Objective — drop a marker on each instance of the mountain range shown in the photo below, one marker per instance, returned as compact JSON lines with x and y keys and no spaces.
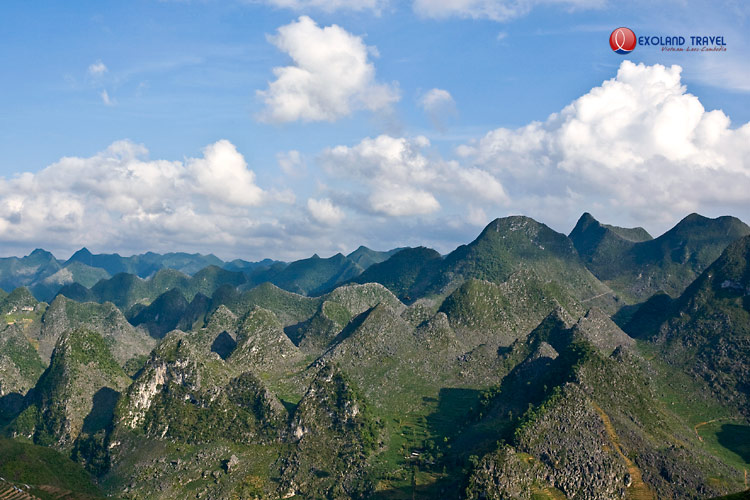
{"x":45,"y":275}
{"x":525,"y":364}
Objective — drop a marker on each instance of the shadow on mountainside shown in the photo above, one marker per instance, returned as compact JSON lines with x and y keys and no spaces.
{"x":429,"y":465}
{"x":736,"y":437}
{"x":102,"y":411}
{"x":11,"y":405}
{"x":224,"y":345}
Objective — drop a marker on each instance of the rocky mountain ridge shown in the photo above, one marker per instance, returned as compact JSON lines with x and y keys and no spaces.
{"x":505,"y":369}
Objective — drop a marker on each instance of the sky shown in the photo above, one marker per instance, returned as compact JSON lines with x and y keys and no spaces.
{"x":282,"y":128}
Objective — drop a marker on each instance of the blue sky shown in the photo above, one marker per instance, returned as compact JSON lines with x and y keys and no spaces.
{"x":281,"y":128}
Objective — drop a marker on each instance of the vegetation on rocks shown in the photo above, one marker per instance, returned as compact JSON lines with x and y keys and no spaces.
{"x":333,"y":434}
{"x":67,"y":399}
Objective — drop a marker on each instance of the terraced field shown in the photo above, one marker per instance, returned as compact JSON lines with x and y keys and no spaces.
{"x":9,"y":491}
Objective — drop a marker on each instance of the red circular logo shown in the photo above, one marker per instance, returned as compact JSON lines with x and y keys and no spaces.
{"x":622,"y":40}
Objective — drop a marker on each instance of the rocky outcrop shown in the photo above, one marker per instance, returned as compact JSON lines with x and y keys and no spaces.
{"x":174,"y":361}
{"x":569,"y":439}
{"x":66,"y":394}
{"x":596,"y":327}
{"x":338,"y":308}
{"x":504,"y":475}
{"x":262,"y":344}
{"x":20,"y":364}
{"x":330,"y":416}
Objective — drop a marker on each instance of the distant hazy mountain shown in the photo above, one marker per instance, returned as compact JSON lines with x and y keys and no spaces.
{"x":400,"y":273}
{"x":146,"y":264}
{"x":163,"y":314}
{"x":309,"y":276}
{"x":248,"y":267}
{"x":45,"y":275}
{"x":125,"y":290}
{"x":364,"y":257}
{"x":71,"y":272}
{"x":26,"y":271}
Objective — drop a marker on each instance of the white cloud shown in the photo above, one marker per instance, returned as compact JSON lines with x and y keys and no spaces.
{"x":332,"y":76}
{"x":324,"y":211}
{"x":496,"y":10}
{"x":638,"y":149}
{"x":435,"y":99}
{"x":329,"y":5}
{"x":638,"y":146}
{"x":222,"y":174}
{"x":119,"y":198}
{"x":439,"y":106}
{"x":400,"y":180}
{"x":291,"y":163}
{"x":97,"y":69}
{"x":108,"y":101}
{"x":402,"y":201}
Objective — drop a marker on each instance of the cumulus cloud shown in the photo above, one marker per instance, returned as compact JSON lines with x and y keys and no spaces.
{"x":639,"y":144}
{"x":496,"y":10}
{"x":332,"y":76}
{"x":324,"y":211}
{"x":637,"y":149}
{"x":222,"y":173}
{"x":434,"y":99}
{"x":329,"y":5}
{"x":97,"y":69}
{"x":119,"y":197}
{"x":439,"y":105}
{"x":122,"y":200}
{"x":400,"y":179}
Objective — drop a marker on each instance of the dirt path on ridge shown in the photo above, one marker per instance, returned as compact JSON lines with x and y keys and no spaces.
{"x":638,"y":490}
